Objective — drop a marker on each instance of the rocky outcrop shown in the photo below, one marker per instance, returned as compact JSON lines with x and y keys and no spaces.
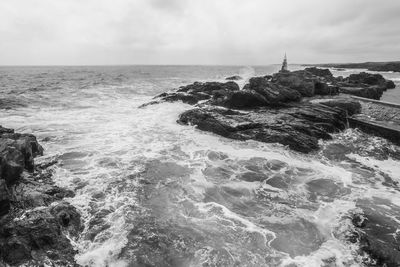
{"x":34,"y":219}
{"x":372,"y":92}
{"x":280,"y":108}
{"x":326,"y":73}
{"x":301,"y":81}
{"x":275,"y":94}
{"x":350,"y":106}
{"x":299,"y":126}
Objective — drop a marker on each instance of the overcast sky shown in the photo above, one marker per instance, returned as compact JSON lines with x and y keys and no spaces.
{"x":239,"y":32}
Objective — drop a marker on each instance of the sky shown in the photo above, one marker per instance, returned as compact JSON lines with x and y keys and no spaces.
{"x":221,"y":32}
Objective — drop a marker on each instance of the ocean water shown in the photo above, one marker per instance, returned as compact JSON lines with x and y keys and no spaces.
{"x":155,"y":193}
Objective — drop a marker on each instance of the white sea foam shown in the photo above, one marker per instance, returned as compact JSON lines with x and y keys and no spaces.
{"x":103,"y":142}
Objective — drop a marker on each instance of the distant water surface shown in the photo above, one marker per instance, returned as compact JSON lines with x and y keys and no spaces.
{"x":156,"y":193}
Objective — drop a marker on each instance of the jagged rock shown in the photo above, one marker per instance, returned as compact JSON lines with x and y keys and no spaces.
{"x":301,"y":81}
{"x":367,"y":78}
{"x":350,"y":106}
{"x":373,"y":92}
{"x":234,"y":78}
{"x":243,"y":100}
{"x":36,"y":235}
{"x":209,"y":87}
{"x":17,"y":152}
{"x":32,"y":223}
{"x":322,"y":88}
{"x":273,"y":93}
{"x":298,"y":127}
{"x":326,"y":73}
{"x":193,"y":93}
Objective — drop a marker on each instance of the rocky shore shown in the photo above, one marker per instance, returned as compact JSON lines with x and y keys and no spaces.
{"x":295,"y":109}
{"x":36,"y":225}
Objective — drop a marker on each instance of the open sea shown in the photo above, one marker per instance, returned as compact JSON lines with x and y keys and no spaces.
{"x":156,"y":193}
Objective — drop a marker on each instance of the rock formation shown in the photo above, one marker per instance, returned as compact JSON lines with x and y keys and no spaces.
{"x":34,"y":219}
{"x":291,"y":108}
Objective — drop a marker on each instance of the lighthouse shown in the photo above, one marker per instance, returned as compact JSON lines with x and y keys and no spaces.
{"x":284,"y":64}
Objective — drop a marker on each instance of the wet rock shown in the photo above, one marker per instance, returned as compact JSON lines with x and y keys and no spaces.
{"x":32,"y":222}
{"x":244,"y":100}
{"x":301,"y":81}
{"x":298,"y":127}
{"x":326,"y":73}
{"x":193,"y":93}
{"x":273,"y":93}
{"x":372,"y":92}
{"x":350,"y":106}
{"x":367,"y":78}
{"x":377,"y":231}
{"x":322,"y":88}
{"x":274,"y":109}
{"x":234,"y":78}
{"x":37,"y":234}
{"x":390,"y":84}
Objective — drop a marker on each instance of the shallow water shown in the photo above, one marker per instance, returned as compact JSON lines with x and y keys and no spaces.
{"x":154,"y":192}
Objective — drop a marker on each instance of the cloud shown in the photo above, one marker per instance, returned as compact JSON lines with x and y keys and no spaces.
{"x":197,"y":31}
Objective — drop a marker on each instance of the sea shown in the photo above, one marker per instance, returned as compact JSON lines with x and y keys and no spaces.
{"x":152,"y":192}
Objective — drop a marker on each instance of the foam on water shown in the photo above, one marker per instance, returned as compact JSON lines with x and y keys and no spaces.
{"x":226,"y":202}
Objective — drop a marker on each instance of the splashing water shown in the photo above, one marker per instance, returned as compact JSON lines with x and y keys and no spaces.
{"x":154,"y":192}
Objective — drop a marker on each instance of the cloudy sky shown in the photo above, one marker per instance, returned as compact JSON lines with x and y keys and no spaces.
{"x":239,"y":32}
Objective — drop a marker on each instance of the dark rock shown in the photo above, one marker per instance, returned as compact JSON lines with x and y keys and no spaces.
{"x":367,"y":78}
{"x":244,"y":99}
{"x":322,"y":88}
{"x":298,"y":127}
{"x":39,"y":234}
{"x":68,"y":217}
{"x":193,"y":93}
{"x":350,"y":106}
{"x":32,"y":225}
{"x":234,"y":78}
{"x":273,"y":93}
{"x":185,"y":98}
{"x":4,"y":198}
{"x":372,"y":92}
{"x":377,"y":231}
{"x":301,"y":81}
{"x":319,"y":72}
{"x":390,"y":84}
{"x":209,"y":87}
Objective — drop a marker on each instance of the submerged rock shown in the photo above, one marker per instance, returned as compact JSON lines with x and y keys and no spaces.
{"x":377,"y":231}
